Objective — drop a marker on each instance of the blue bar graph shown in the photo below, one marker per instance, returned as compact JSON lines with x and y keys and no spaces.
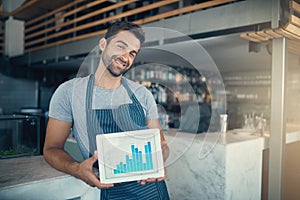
{"x":135,"y":163}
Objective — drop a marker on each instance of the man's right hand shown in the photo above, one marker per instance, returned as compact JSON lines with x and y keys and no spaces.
{"x":57,"y":133}
{"x":85,"y":173}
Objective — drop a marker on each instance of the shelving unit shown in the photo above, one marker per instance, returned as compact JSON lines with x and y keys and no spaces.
{"x":175,"y":89}
{"x":248,"y":93}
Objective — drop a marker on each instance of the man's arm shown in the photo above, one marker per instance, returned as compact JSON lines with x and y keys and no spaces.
{"x":54,"y":153}
{"x":154,"y":123}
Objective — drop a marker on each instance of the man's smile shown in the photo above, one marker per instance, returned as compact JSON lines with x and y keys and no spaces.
{"x":120,"y":62}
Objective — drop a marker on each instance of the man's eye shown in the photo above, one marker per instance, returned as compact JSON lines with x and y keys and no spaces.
{"x":132,"y":54}
{"x":121,"y":47}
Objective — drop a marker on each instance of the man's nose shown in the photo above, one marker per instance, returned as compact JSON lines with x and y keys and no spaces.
{"x":125,"y":56}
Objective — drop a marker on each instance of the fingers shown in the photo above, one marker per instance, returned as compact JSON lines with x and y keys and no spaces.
{"x":94,"y":181}
{"x":161,"y":178}
{"x":87,"y":174}
{"x":104,"y":186}
{"x":164,"y":144}
{"x":151,"y":180}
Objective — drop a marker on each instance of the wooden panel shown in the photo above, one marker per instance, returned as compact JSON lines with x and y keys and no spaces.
{"x":295,"y":43}
{"x":264,"y":35}
{"x":112,"y":18}
{"x":272,"y":33}
{"x":254,"y":35}
{"x":22,"y":7}
{"x":64,"y":15}
{"x":294,"y":49}
{"x":247,"y":37}
{"x":293,"y":29}
{"x":66,"y":41}
{"x":294,"y":46}
{"x":295,"y":6}
{"x":295,"y":20}
{"x":53,"y":12}
{"x":287,"y":34}
{"x":182,"y":11}
{"x":103,"y":10}
{"x":4,"y":15}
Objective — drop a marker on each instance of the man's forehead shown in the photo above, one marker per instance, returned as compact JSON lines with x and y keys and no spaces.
{"x":128,"y":38}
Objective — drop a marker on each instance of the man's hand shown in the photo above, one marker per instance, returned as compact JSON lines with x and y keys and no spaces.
{"x":85,"y":173}
{"x":153,"y":180}
{"x":165,"y":151}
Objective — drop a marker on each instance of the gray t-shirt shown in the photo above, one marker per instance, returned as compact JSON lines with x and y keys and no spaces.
{"x":68,"y":104}
{"x":64,"y":97}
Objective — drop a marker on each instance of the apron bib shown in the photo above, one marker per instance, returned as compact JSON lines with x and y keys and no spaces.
{"x":126,"y":117}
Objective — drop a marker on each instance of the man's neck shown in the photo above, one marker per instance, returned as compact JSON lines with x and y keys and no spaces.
{"x":104,"y":79}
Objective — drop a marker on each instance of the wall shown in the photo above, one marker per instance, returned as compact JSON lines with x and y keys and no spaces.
{"x":293,"y":90}
{"x":291,"y":176}
{"x":16,"y":93}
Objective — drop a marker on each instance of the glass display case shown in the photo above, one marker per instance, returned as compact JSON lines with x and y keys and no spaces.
{"x":19,"y":135}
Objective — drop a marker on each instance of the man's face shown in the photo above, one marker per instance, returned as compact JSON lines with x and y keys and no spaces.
{"x":119,"y":54}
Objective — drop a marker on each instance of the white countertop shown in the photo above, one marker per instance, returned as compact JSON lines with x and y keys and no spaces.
{"x":31,"y":178}
{"x":173,"y":135}
{"x":15,"y":171}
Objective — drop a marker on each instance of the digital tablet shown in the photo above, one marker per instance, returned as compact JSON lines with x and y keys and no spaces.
{"x":130,"y":156}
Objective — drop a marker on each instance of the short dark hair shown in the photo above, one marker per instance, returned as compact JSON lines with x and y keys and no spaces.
{"x":118,"y":26}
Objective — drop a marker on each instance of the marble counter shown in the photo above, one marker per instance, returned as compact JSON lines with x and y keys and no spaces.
{"x":31,"y":178}
{"x":215,"y":166}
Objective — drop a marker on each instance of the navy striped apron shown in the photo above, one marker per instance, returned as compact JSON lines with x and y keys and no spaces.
{"x":127,"y":117}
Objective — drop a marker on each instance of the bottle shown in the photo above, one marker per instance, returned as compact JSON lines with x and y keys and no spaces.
{"x":223,"y":123}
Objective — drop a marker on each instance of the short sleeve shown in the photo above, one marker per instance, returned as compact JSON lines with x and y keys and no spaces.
{"x":151,"y":107}
{"x":147,"y":101}
{"x":60,"y":104}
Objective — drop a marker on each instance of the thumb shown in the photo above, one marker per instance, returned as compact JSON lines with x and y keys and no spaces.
{"x":163,"y":144}
{"x":94,"y":158}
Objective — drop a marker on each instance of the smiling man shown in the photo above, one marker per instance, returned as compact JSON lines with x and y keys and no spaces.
{"x":104,"y":102}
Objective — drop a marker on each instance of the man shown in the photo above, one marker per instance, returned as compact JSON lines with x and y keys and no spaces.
{"x":104,"y":102}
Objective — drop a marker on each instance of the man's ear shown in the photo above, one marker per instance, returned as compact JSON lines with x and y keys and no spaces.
{"x":102,"y":44}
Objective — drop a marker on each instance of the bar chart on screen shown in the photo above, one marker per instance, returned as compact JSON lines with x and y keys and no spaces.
{"x":135,"y":163}
{"x":128,"y":156}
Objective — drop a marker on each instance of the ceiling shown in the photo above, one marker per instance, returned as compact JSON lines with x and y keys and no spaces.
{"x":228,"y":53}
{"x":231,"y":53}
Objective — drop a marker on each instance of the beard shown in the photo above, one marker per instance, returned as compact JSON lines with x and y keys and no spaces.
{"x":111,"y":65}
